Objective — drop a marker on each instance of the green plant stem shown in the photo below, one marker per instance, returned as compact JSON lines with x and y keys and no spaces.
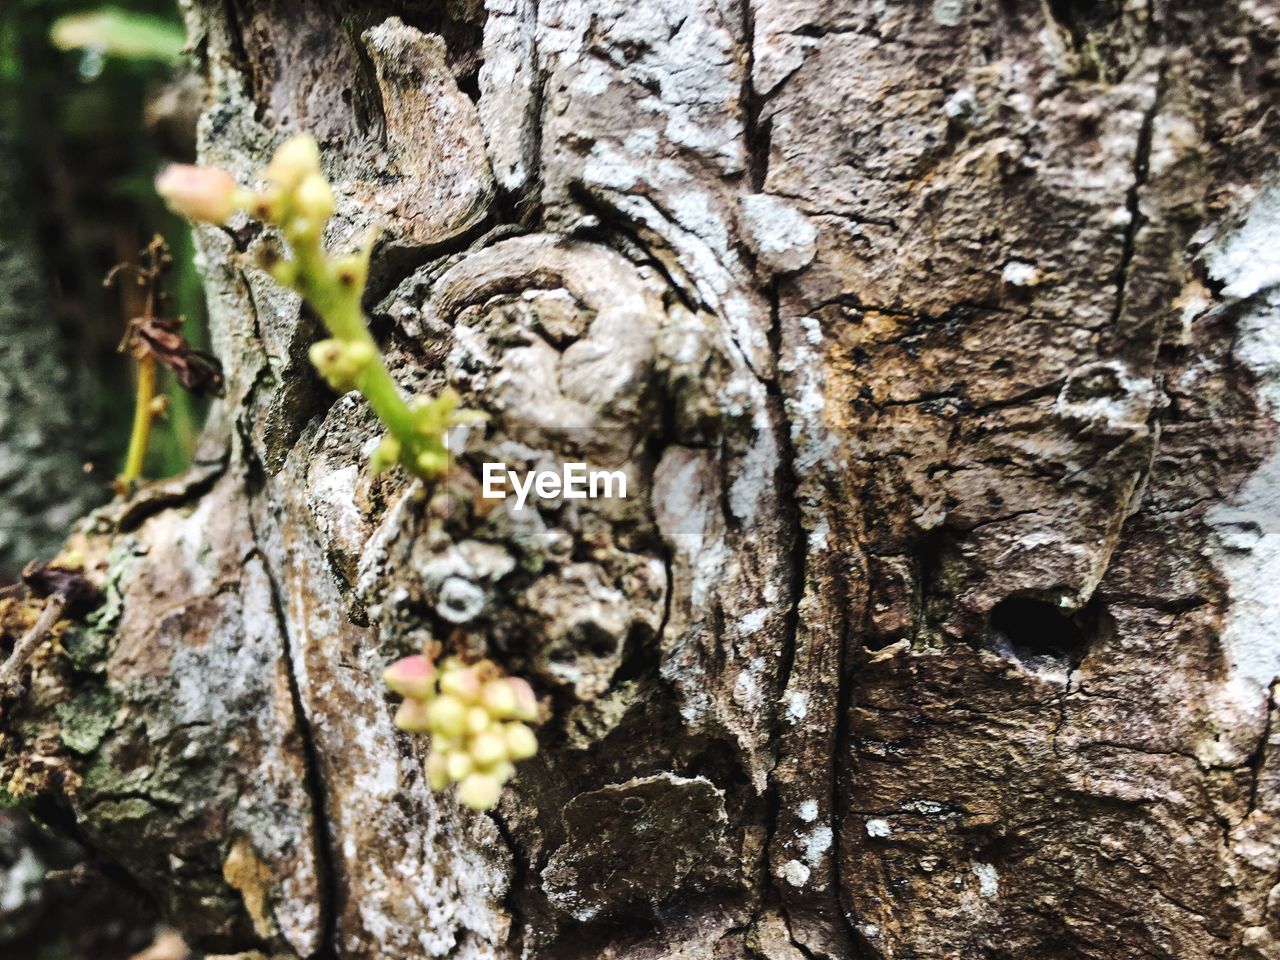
{"x":348,"y":323}
{"x":338,"y":306}
{"x":143,"y":417}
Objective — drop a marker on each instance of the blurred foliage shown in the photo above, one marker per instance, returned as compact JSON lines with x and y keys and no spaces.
{"x":113,"y":32}
{"x":90,"y":142}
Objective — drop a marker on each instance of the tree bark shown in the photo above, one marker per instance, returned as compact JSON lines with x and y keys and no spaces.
{"x":938,"y":342}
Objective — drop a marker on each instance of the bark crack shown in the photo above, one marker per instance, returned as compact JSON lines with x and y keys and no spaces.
{"x":1258,"y":760}
{"x":789,"y":480}
{"x":756,"y":133}
{"x":326,"y":868}
{"x":1141,"y":169}
{"x":862,"y":950}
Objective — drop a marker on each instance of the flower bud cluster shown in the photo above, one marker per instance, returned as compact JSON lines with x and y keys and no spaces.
{"x":432,"y":418}
{"x":299,"y":201}
{"x":478,"y":720}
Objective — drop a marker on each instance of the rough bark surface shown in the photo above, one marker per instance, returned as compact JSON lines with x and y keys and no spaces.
{"x":940,"y":342}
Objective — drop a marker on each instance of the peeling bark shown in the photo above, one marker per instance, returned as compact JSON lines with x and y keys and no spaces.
{"x":937,"y":342}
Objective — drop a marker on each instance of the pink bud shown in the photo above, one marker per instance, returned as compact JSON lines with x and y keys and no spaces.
{"x":198,"y":193}
{"x":462,"y":682}
{"x":526,"y":700}
{"x":411,"y":677}
{"x":413,"y":716}
{"x":499,"y":698}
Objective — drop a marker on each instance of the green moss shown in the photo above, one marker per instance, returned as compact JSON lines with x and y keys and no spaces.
{"x":104,"y":619}
{"x":87,"y":649}
{"x":129,"y":815}
{"x":86,"y":718}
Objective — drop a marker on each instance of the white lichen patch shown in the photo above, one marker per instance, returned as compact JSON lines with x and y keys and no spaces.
{"x":988,"y":879}
{"x":1247,"y":552}
{"x":878,"y":828}
{"x":797,"y":707}
{"x":779,"y":234}
{"x":754,"y":489}
{"x":746,"y":690}
{"x":1107,"y":396}
{"x":816,"y":844}
{"x":335,"y":509}
{"x":611,"y":167}
{"x":795,"y":873}
{"x":963,"y":107}
{"x":929,"y":808}
{"x":1019,"y":273}
{"x":949,"y":13}
{"x":20,"y":882}
{"x":1248,"y":258}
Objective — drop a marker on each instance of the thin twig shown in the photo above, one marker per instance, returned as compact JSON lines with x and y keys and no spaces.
{"x":144,"y":416}
{"x":25,"y":648}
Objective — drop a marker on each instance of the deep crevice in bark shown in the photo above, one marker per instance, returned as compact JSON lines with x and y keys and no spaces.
{"x":1141,"y":167}
{"x":326,"y":864}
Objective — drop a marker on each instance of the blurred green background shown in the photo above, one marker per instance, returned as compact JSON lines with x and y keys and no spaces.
{"x":93,"y":100}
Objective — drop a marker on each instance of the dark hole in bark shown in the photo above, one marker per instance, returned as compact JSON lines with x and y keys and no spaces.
{"x":1041,"y":635}
{"x":593,"y":640}
{"x":1081,"y":16}
{"x":1098,"y":380}
{"x":639,"y":655}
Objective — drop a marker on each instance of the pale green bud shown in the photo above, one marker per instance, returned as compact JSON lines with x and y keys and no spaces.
{"x":433,"y":463}
{"x":488,"y":748}
{"x":313,"y":198}
{"x":459,"y":763}
{"x":499,"y":698}
{"x":387,"y":454}
{"x":340,"y":363}
{"x":437,"y":771}
{"x":447,"y":715}
{"x":442,"y":744}
{"x":521,"y":742}
{"x":478,"y":720}
{"x":267,"y":206}
{"x":284,"y":272}
{"x":462,"y":682}
{"x":353,"y":271}
{"x":297,"y":159}
{"x":479,"y":791}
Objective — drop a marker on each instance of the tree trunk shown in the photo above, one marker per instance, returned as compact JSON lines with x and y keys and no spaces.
{"x":938,"y":341}
{"x":43,"y":488}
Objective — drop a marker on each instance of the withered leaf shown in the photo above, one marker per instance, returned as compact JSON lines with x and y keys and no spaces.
{"x":197,"y":371}
{"x":45,"y":580}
